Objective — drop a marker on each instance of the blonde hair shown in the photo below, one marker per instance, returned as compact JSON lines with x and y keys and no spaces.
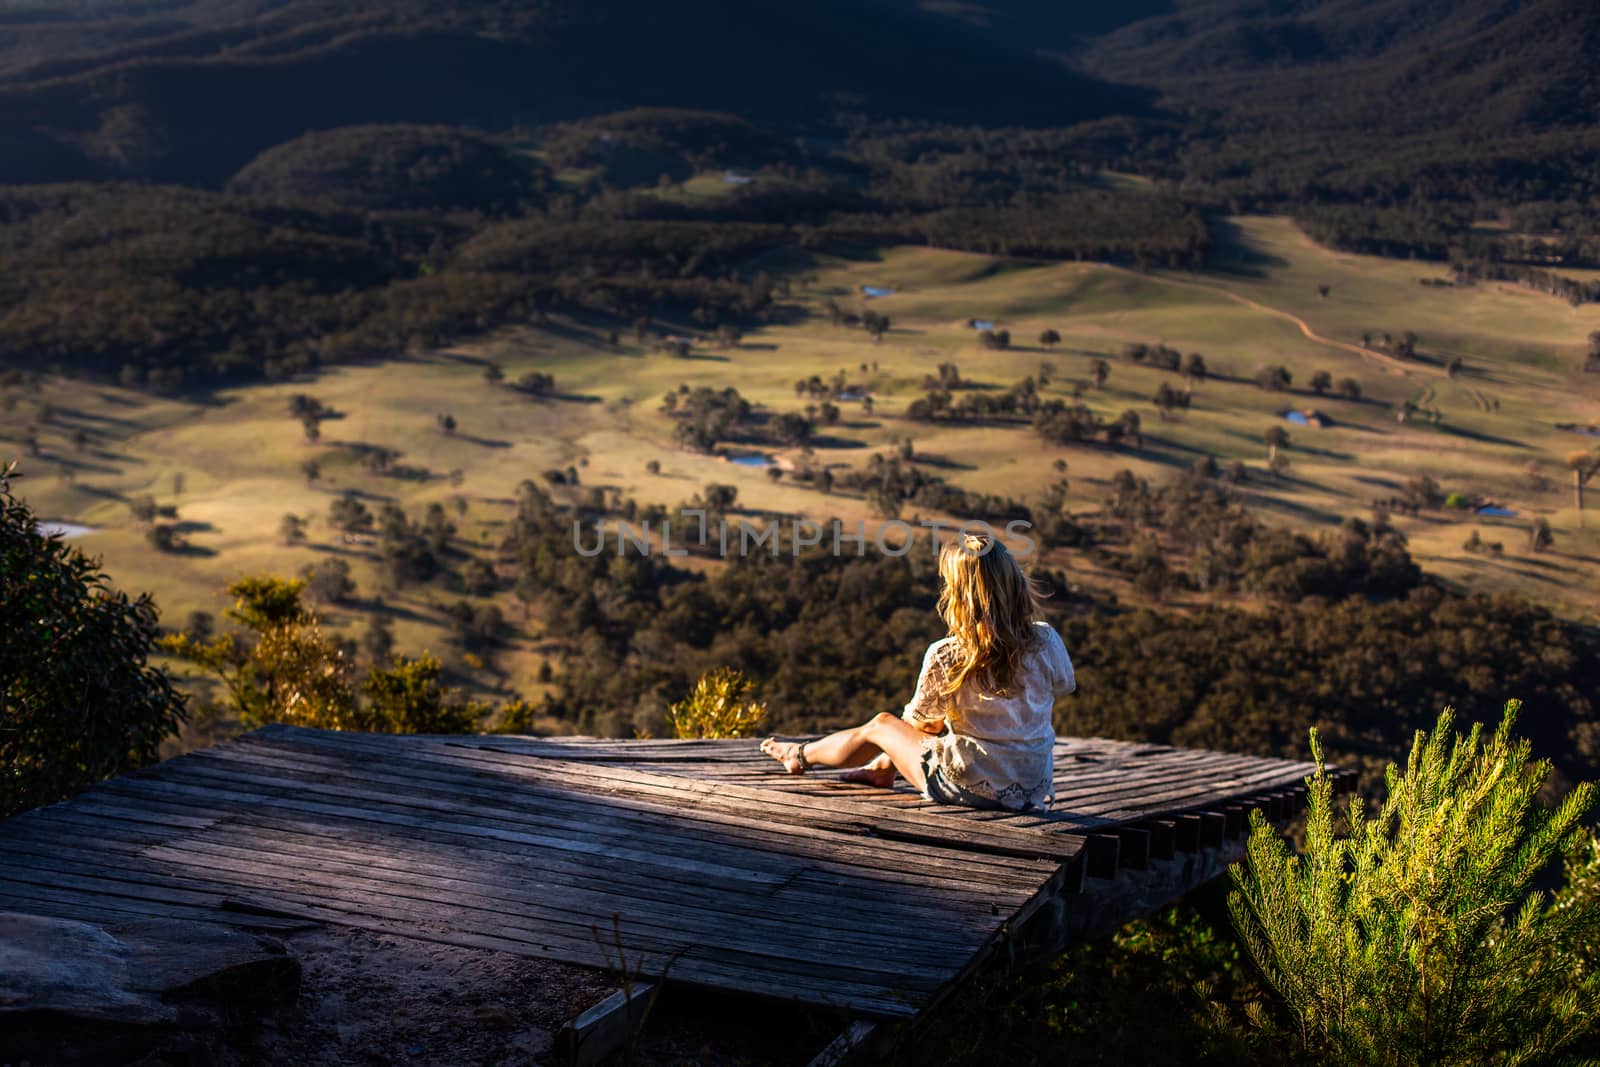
{"x":990,"y":606}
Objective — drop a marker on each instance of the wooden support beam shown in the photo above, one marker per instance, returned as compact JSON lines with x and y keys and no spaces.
{"x":1213,"y":829}
{"x":1163,"y":838}
{"x":1190,"y":831}
{"x":602,"y":1031}
{"x":1238,"y":822}
{"x":1101,"y":851}
{"x":1282,"y":806}
{"x":1074,"y":874}
{"x":1134,"y":852}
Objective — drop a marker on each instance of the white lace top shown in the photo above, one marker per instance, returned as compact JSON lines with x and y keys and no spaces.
{"x":1000,"y":747}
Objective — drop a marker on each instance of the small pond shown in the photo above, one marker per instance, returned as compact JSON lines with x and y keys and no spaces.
{"x":753,"y":460}
{"x":1497,"y":512}
{"x":876,"y":290}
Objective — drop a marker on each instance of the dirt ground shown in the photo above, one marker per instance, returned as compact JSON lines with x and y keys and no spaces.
{"x":369,"y":999}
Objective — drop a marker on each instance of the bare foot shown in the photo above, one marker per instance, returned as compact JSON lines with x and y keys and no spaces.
{"x":786,"y":753}
{"x":882,"y":777}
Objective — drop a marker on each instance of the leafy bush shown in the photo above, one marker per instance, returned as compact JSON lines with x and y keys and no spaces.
{"x":281,"y":668}
{"x":407,"y":699}
{"x":78,"y":698}
{"x":719,"y":705}
{"x":1417,"y":936}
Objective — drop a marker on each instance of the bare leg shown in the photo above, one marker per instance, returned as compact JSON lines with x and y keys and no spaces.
{"x":883,"y":733}
{"x":879,"y":772}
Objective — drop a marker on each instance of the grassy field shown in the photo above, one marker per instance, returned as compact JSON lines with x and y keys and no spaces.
{"x":231,"y":463}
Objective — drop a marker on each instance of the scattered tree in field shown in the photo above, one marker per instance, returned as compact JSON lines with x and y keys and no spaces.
{"x":875,"y":324}
{"x":653,"y":467}
{"x":1168,"y":400}
{"x":1276,"y":437}
{"x":1323,"y":291}
{"x":1422,"y":493}
{"x":1540,"y":536}
{"x":1417,"y":935}
{"x":447,"y":423}
{"x":312,"y":470}
{"x":80,"y":441}
{"x":885,"y":502}
{"x":995,"y":340}
{"x":144,"y":508}
{"x":1194,"y":370}
{"x":728,"y":336}
{"x":1050,"y":338}
{"x":379,"y":459}
{"x":80,"y":699}
{"x":1406,"y":348}
{"x":493,"y":373}
{"x":350,"y":515}
{"x":1321,"y":382}
{"x":292,"y":529}
{"x":329,"y":582}
{"x":377,"y":640}
{"x":1366,"y":339}
{"x":310,"y":412}
{"x":1584,"y":466}
{"x":537,"y":383}
{"x":1350,"y":389}
{"x":479,"y":578}
{"x":1454,"y":368}
{"x":1274,"y":379}
{"x":1047,"y":371}
{"x":437,"y":529}
{"x":30,"y":441}
{"x":866,"y":405}
{"x":828,"y":414}
{"x":792,"y":428}
{"x":1101,"y":370}
{"x":1591,"y":363}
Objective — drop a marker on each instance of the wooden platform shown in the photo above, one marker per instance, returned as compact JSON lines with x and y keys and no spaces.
{"x":706,"y":861}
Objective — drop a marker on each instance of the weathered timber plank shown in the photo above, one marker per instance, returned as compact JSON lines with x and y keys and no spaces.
{"x":864,"y":886}
{"x":583,"y":941}
{"x":551,"y":830}
{"x":182,"y":872}
{"x":709,"y":795}
{"x":454,"y":780}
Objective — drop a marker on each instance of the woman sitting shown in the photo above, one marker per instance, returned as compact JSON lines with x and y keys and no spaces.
{"x":979,"y":731}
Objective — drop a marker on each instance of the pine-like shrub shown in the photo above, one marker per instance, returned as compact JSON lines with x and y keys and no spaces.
{"x":1415,"y":935}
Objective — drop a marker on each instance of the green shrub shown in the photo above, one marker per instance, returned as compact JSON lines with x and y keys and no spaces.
{"x":408,"y":699}
{"x":1416,"y":936}
{"x":78,"y":698}
{"x":1460,"y":501}
{"x":719,"y":705}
